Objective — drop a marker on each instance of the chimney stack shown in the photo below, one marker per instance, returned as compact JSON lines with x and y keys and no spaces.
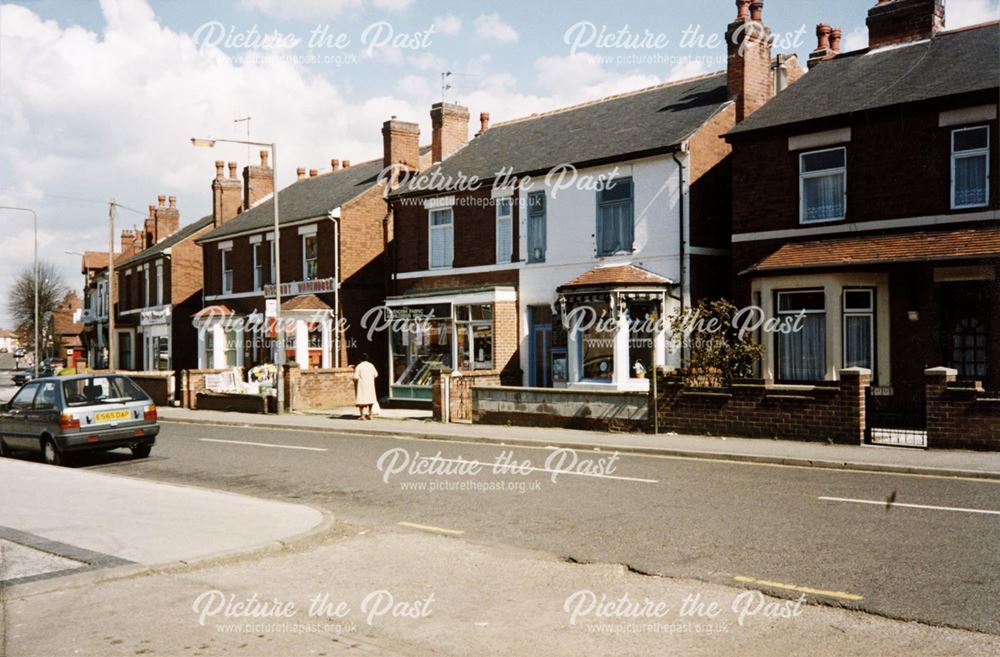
{"x":258,"y":182}
{"x":823,"y":50}
{"x":167,"y":220}
{"x":450,"y":125}
{"x":300,"y":173}
{"x":484,"y":122}
{"x":400,"y":144}
{"x":335,"y":164}
{"x":749,"y":77}
{"x":227,"y":194}
{"x":149,"y":226}
{"x":898,"y":21}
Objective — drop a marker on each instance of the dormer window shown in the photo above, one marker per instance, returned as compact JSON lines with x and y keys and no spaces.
{"x":823,"y":185}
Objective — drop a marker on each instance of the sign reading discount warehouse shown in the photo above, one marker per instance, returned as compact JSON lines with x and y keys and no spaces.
{"x":318,"y":286}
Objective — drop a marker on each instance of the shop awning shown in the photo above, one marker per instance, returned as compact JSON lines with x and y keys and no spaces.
{"x":964,"y":244}
{"x":616,"y":276}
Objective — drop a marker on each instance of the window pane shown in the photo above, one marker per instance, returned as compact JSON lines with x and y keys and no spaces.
{"x":823,"y":197}
{"x":795,"y":301}
{"x":858,"y":341}
{"x":536,"y":203}
{"x":642,"y":316}
{"x":597,"y":346}
{"x":440,"y":217}
{"x":824,"y":160}
{"x":616,"y":190}
{"x":967,"y":140}
{"x":25,"y":397}
{"x":857,"y":299}
{"x":970,"y":180}
{"x":505,"y":239}
{"x":802,"y":355}
{"x":503,"y":207}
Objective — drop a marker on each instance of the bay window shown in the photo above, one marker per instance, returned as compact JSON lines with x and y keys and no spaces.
{"x":859,"y":328}
{"x":474,"y":335}
{"x":597,"y":328}
{"x":823,"y":185}
{"x":970,"y":167}
{"x":801,"y":354}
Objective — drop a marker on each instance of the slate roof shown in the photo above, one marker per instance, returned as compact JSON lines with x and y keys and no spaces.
{"x":164,"y":244}
{"x":968,"y":243}
{"x":642,"y":122}
{"x":616,"y":276}
{"x":304,"y":199}
{"x":956,"y":62}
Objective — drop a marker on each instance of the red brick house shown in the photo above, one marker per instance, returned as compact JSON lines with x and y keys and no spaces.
{"x":492,"y":252}
{"x":158,"y":289}
{"x":333,"y":234}
{"x":866,"y":199}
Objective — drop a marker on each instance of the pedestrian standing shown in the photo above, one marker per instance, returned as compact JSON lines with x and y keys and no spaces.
{"x":364,"y":393}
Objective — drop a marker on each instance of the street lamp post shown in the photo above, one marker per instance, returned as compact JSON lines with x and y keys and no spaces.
{"x":279,"y":329}
{"x":34,"y":216}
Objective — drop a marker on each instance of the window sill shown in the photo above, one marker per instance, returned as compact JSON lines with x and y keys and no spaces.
{"x":810,"y":222}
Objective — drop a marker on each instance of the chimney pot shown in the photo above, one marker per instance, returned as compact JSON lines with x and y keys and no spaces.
{"x":313,"y":173}
{"x":219,"y":166}
{"x":232,"y":170}
{"x":173,"y":201}
{"x":300,"y":173}
{"x":263,"y":159}
{"x":484,"y":122}
{"x":347,"y":164}
{"x":335,"y":164}
{"x":757,"y":10}
{"x":823,"y":31}
{"x":742,"y":10}
{"x":835,"y":36}
{"x":162,"y":199}
{"x":152,"y":211}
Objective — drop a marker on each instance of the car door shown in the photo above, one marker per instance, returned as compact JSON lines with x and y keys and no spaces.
{"x":14,"y":421}
{"x":44,"y":413}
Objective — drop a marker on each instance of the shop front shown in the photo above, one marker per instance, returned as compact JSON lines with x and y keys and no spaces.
{"x":155,"y":329}
{"x":455,"y":331}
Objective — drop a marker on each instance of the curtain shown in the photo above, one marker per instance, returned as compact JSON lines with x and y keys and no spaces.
{"x":970,"y":180}
{"x":615,"y":230}
{"x":802,"y":355}
{"x":505,"y":239}
{"x":857,"y":341}
{"x":536,"y":238}
{"x":824,"y":197}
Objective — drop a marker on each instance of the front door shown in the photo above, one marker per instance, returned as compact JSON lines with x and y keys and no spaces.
{"x":966,"y":328}
{"x":540,"y":375}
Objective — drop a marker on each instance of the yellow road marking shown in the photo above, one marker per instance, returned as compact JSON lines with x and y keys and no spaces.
{"x":801,"y":589}
{"x":431,"y":528}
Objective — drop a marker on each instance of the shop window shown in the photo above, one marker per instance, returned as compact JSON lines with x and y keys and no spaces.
{"x":210,"y":348}
{"x":474,"y":331}
{"x":161,"y":352}
{"x":419,"y":349}
{"x":802,"y":354}
{"x":231,"y":344}
{"x":859,"y":329}
{"x":642,"y":319}
{"x":597,"y":343}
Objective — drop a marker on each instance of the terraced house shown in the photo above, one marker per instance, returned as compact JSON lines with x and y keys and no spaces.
{"x":332,"y":269}
{"x":866,"y":198}
{"x":618,"y":207}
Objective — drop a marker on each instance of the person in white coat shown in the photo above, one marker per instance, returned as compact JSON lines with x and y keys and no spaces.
{"x":364,"y":392}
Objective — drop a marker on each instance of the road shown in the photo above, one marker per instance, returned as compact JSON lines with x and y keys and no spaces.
{"x":737,"y":524}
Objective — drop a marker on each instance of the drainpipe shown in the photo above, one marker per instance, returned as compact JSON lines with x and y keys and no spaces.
{"x":335,"y":218}
{"x":682,"y":233}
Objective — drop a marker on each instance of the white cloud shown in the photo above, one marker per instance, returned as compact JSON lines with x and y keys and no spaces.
{"x":581,"y":76}
{"x":392,"y":5}
{"x":962,"y":13}
{"x":303,"y":10}
{"x":489,"y":26}
{"x":449,"y":24}
{"x":856,"y":39}
{"x":687,"y":68}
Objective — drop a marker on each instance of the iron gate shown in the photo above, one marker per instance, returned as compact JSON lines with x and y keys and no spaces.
{"x":895,"y":417}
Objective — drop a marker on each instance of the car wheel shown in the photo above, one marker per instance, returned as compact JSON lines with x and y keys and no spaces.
{"x":141,"y":451}
{"x":51,"y":453}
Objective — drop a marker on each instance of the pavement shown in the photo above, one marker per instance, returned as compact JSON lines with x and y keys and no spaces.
{"x":958,"y":463}
{"x":57,"y":519}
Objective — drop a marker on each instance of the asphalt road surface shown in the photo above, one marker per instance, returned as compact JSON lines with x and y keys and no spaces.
{"x":758,"y":526}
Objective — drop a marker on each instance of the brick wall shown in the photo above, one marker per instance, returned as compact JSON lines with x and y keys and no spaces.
{"x":960,"y":415}
{"x":318,"y":388}
{"x":460,"y":390}
{"x":191,"y":383}
{"x":833,"y":411}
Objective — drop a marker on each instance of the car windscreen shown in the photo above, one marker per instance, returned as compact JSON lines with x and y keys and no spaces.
{"x":102,"y":390}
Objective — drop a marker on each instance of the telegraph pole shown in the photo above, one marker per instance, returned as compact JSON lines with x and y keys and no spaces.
{"x":111,"y":286}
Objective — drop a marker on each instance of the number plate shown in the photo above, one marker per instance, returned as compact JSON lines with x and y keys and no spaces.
{"x":111,"y":415}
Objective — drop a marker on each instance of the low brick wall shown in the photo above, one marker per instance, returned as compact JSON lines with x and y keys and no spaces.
{"x":235,"y":402}
{"x":460,"y":392}
{"x":554,"y":407}
{"x":318,"y":388}
{"x":193,"y":382}
{"x":960,"y":415}
{"x":832,"y":410}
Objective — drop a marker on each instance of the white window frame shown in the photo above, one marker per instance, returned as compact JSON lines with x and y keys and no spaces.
{"x":225,"y":255}
{"x":145,"y":286}
{"x":306,"y":261}
{"x":506,"y":219}
{"x":258,"y":266}
{"x":159,"y":283}
{"x":979,"y":152}
{"x":803,"y":176}
{"x":274,"y":262}
{"x":784,"y":314}
{"x":430,"y":236}
{"x":868,"y":312}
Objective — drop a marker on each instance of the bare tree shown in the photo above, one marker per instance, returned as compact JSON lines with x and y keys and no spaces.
{"x":21,"y":303}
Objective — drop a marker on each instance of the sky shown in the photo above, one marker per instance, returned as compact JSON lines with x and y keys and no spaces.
{"x":99,"y":99}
